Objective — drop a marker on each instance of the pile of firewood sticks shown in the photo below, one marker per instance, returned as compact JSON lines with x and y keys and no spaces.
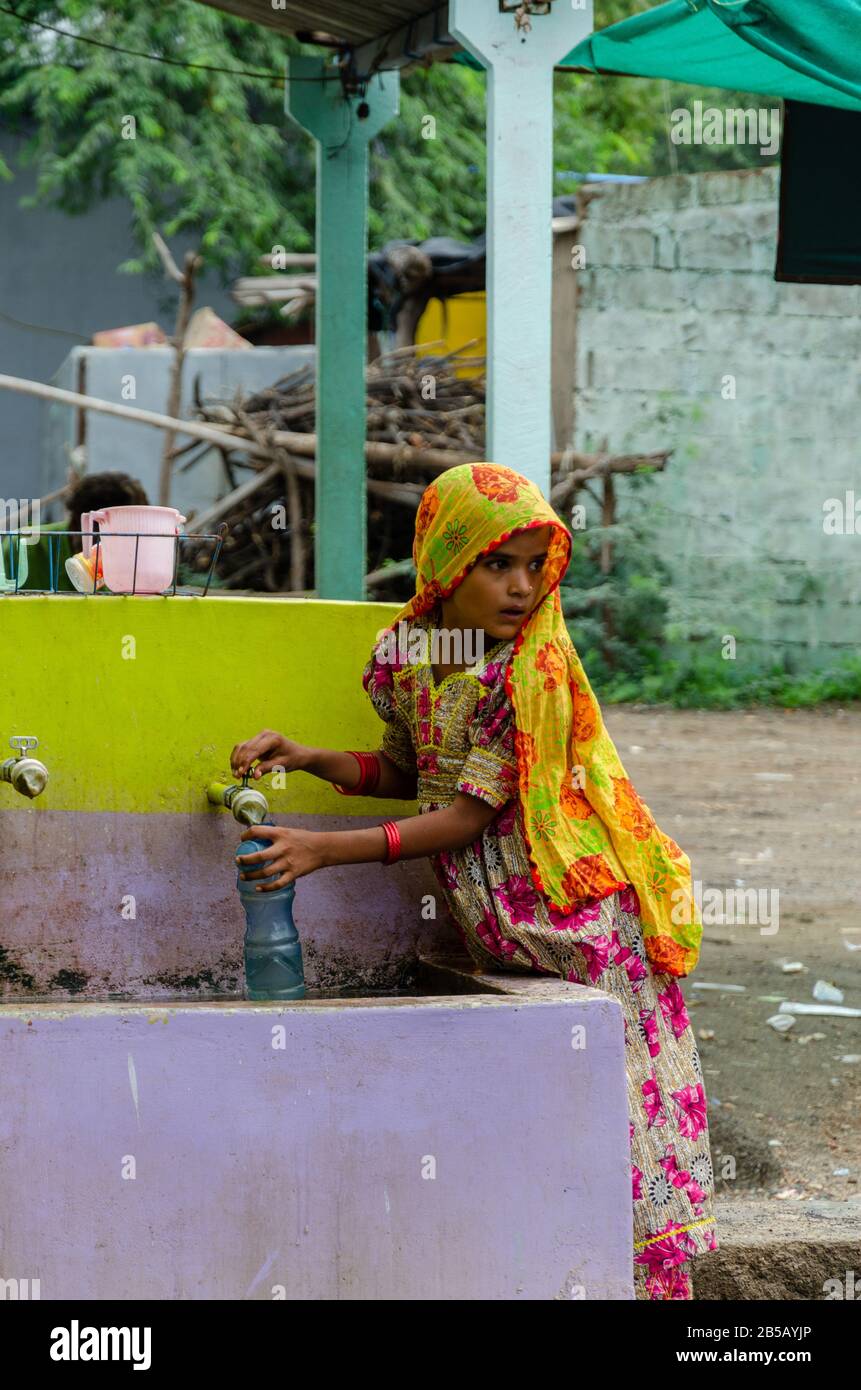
{"x":425,"y":414}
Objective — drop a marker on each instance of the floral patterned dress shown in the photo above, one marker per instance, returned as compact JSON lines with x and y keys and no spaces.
{"x":458,"y":736}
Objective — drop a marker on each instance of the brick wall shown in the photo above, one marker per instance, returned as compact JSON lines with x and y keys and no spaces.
{"x":677,"y":293}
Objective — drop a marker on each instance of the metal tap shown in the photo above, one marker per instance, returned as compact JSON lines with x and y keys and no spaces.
{"x":246,"y":804}
{"x":27,"y":775}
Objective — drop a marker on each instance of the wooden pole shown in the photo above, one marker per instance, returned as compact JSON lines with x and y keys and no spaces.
{"x":185,"y":279}
{"x":196,"y":429}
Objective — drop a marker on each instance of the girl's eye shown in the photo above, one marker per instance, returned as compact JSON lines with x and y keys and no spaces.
{"x":501,"y":562}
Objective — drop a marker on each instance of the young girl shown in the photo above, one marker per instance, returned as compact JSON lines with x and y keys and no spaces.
{"x":545,"y":854}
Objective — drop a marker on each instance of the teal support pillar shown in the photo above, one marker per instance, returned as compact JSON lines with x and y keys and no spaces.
{"x":519,"y":64}
{"x":342,"y":124}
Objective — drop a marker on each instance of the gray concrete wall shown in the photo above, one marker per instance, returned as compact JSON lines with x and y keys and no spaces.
{"x":110,"y":373}
{"x":58,"y":285}
{"x":678,"y":294}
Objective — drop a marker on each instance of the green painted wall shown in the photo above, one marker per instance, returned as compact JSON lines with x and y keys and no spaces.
{"x":137,"y":702}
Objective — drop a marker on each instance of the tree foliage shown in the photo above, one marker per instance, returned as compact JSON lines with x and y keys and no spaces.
{"x":212,"y":153}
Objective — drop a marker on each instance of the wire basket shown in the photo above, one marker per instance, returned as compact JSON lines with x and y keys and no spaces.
{"x":14,"y":545}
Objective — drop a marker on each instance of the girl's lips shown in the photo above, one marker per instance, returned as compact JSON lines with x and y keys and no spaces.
{"x":513,"y":613}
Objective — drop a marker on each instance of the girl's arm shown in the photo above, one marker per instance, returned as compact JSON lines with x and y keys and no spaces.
{"x":272,"y":750}
{"x":342,"y":768}
{"x":298,"y":852}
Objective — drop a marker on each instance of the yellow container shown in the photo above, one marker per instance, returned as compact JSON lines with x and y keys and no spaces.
{"x":456,"y":321}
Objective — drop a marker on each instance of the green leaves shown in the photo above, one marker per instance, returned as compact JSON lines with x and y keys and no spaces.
{"x":188,"y":149}
{"x":214,"y":154}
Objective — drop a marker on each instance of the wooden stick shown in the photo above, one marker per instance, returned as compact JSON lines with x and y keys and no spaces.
{"x":600,"y":465}
{"x":304,"y":445}
{"x":439,"y":459}
{"x":171,"y":268}
{"x":233,"y":499}
{"x":297,"y":542}
{"x":290,"y":258}
{"x":55,"y":495}
{"x":405,"y":494}
{"x":196,"y":429}
{"x":185,"y":280}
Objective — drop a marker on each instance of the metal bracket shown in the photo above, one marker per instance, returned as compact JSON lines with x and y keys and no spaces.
{"x":536,"y":7}
{"x":23,"y":742}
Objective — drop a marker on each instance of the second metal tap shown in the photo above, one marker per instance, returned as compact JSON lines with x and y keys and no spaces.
{"x":246,"y":804}
{"x":28,"y":775}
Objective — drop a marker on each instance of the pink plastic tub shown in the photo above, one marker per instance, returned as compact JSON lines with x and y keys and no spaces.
{"x":155,"y":528}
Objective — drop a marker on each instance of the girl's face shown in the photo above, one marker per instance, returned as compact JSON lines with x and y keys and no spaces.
{"x":502,"y":588}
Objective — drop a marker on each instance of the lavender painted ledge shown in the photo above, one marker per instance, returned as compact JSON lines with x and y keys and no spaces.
{"x":372,"y":1157}
{"x":63,"y":934}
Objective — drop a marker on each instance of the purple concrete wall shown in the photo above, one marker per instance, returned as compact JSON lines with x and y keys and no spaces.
{"x":63,"y":934}
{"x":297,"y":1173}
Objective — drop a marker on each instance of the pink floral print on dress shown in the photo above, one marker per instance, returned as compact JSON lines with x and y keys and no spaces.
{"x":691,"y":1108}
{"x":673,"y":1009}
{"x":649,"y":1025}
{"x":652,"y":1103}
{"x":517,"y":896}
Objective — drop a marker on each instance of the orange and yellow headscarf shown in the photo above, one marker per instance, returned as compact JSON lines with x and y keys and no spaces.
{"x":587,"y":830}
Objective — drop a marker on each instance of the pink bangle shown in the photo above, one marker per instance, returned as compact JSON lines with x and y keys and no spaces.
{"x":393,"y":842}
{"x":369,"y":776}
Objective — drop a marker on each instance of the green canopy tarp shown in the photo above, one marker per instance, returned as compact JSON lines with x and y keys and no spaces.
{"x":808,"y":50}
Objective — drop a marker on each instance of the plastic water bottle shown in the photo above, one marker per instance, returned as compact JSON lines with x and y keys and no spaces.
{"x":273,"y":951}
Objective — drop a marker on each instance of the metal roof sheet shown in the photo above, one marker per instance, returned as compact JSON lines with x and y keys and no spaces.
{"x":355,"y":21}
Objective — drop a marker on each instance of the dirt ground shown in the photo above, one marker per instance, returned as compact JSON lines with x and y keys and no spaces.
{"x":768,"y":800}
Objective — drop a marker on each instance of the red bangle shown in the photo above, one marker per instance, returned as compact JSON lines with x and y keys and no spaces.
{"x":369,"y":776}
{"x":393,"y":842}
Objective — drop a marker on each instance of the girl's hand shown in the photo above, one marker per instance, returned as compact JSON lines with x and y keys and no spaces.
{"x":292,"y":854}
{"x":268,"y":750}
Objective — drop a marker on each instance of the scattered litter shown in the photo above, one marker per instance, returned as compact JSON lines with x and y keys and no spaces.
{"x":634,"y":748}
{"x":775,"y":1143}
{"x":761,"y":857}
{"x":774,"y":776}
{"x":792,"y":967}
{"x":826,"y":993}
{"x":207,"y":330}
{"x":771,"y":998}
{"x":819,"y":1010}
{"x":781,"y":1023}
{"x":729,"y":989}
{"x":136,"y":335}
{"x":841,"y":1172}
{"x":850,"y":1057}
{"x":850,"y":931}
{"x":852,"y":945}
{"x":808,"y":1037}
{"x":791,"y":1193}
{"x":707,"y":1034}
